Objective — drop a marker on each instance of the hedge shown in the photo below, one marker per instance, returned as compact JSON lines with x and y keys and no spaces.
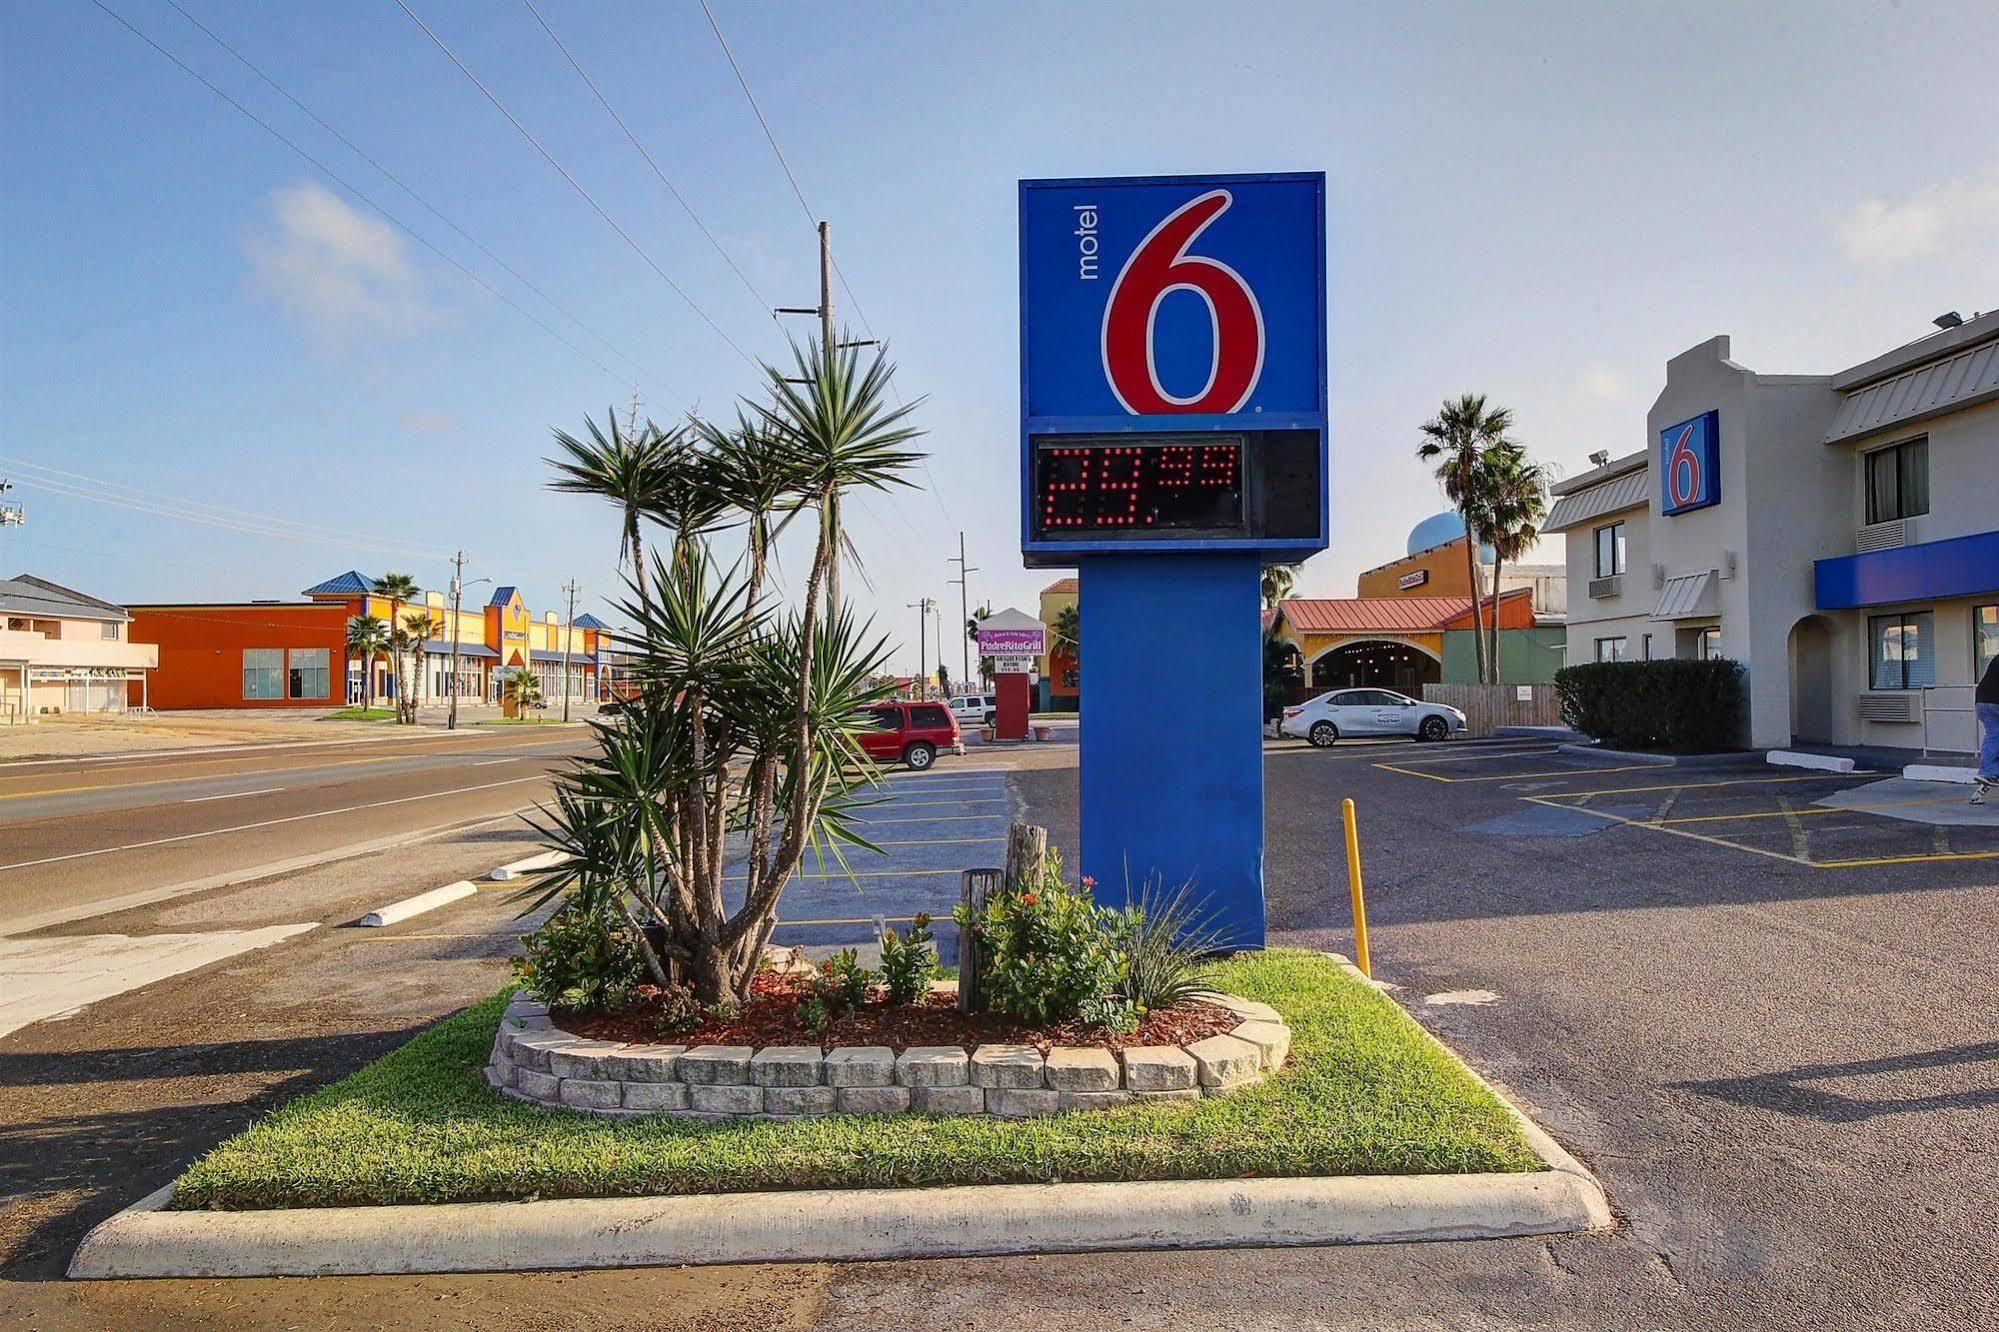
{"x":1685,"y":707}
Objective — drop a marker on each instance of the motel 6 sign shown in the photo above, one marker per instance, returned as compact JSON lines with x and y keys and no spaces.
{"x":1689,"y":464}
{"x":1173,"y":366}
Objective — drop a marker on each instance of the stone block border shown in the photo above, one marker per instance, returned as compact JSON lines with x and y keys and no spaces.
{"x":534,"y":1062}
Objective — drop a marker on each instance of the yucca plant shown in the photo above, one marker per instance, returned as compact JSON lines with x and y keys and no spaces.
{"x":1168,"y":945}
{"x":738,"y":754}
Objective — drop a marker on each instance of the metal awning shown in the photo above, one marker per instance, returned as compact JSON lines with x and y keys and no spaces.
{"x":1688,"y":596}
{"x":1629,"y":491}
{"x":1951,"y":384}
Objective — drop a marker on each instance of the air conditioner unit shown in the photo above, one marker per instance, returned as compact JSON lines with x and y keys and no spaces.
{"x":1891,"y":535}
{"x":1599,"y":588}
{"x":1891,"y":707}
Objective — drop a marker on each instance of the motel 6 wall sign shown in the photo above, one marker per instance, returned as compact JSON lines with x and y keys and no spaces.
{"x":1689,"y":464}
{"x":1173,"y":366}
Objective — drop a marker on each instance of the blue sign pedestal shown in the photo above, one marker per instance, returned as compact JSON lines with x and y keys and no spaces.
{"x":1172,"y":731}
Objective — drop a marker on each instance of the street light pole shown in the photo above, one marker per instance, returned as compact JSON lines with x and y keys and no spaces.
{"x":963,"y":580}
{"x":568,"y":631}
{"x":922,"y":609}
{"x":457,"y":593}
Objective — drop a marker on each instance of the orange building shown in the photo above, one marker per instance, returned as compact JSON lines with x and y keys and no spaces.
{"x":1389,"y":642}
{"x":293,"y":654}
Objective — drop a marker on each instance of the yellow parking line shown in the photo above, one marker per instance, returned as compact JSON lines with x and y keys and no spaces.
{"x":857,"y":874}
{"x":927,"y":818}
{"x":1687,"y":786}
{"x":1905,"y":860}
{"x":945,"y":841}
{"x":1796,"y":813}
{"x":1476,"y":758}
{"x":928,"y":804}
{"x":1555,"y":803}
{"x":1524,"y":776}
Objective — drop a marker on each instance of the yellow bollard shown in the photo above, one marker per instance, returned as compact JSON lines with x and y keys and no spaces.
{"x":1359,"y":903}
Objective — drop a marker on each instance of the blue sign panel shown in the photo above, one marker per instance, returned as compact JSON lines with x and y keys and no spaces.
{"x":1690,"y":464}
{"x":1193,"y":307}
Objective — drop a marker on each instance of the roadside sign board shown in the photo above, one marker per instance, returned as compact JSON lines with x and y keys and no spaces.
{"x":1013,"y":665}
{"x":1173,"y":365}
{"x":1690,"y":465}
{"x":1012,"y":642}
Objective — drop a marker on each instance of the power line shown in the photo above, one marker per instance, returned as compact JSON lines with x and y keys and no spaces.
{"x":354,"y":190}
{"x":406,"y":188}
{"x":166,"y":506}
{"x":577,"y":185}
{"x":812,"y":220}
{"x":677,"y":196}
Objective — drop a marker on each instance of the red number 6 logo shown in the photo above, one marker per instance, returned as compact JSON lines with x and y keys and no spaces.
{"x":1160,"y":265}
{"x":1683,"y":459}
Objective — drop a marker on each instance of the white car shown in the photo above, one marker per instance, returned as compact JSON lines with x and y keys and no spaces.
{"x":974,"y":709}
{"x":1325,"y":719}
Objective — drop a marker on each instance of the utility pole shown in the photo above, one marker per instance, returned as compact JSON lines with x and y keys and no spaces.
{"x":964,"y":611}
{"x":11,"y":515}
{"x":568,"y":632}
{"x":457,"y":592}
{"x":829,"y":346}
{"x":923,"y":609}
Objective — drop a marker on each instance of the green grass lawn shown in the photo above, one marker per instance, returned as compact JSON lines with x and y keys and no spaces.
{"x":362,"y":714}
{"x":1364,"y":1092}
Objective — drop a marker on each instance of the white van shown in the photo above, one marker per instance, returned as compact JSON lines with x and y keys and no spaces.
{"x":974,"y":709}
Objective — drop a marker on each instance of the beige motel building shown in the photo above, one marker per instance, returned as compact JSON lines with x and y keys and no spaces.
{"x":1838,"y":534}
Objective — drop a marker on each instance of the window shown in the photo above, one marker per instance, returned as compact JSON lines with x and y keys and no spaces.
{"x":930,"y":714}
{"x":1612,"y":649}
{"x":1903,"y":649}
{"x":263,"y":672}
{"x":1984,"y":638}
{"x":1898,"y":481}
{"x":108,"y":631}
{"x":1610,"y":550}
{"x":1707,"y":643}
{"x":1645,"y":648}
{"x":886,"y":719}
{"x":308,"y":673}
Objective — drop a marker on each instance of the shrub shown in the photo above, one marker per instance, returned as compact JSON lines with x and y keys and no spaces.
{"x":906,"y":962}
{"x":578,"y":960}
{"x":840,"y":986}
{"x":1167,"y":944}
{"x":1047,"y":953}
{"x":678,"y":1012}
{"x":1681,"y":705}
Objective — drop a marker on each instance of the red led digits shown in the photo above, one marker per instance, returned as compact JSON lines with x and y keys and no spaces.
{"x":1115,"y":486}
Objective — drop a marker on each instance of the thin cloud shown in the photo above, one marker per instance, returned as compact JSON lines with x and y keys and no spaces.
{"x":1960,"y":214}
{"x":344,"y":277}
{"x":1602,"y":382}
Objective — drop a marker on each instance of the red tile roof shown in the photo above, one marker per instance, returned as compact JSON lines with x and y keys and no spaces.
{"x":1060,"y":586}
{"x":1406,"y":615}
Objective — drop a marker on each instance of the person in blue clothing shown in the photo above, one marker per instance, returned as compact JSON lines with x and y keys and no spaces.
{"x":1987,"y":699}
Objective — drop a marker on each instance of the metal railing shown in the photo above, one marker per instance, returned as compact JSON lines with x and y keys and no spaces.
{"x":1943,"y":701}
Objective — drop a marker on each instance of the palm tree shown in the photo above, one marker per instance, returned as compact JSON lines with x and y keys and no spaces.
{"x":984,"y":612}
{"x":1514,"y":491}
{"x":1277,"y":582}
{"x":627,"y":467}
{"x":837,"y":418}
{"x":524,"y":688}
{"x":367,"y":636}
{"x":398,"y":588}
{"x":1068,"y":629}
{"x":418,"y":628}
{"x":1455,"y":440}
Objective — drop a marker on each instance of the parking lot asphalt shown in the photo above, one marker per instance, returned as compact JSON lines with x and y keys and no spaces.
{"x":1773,"y":1037}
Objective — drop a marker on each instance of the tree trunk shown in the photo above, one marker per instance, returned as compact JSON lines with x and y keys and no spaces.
{"x":1477,"y":620}
{"x":830,"y":533}
{"x":1492,"y":633}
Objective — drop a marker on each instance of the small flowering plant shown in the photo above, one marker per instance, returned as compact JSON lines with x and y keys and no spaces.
{"x":1049,"y":954}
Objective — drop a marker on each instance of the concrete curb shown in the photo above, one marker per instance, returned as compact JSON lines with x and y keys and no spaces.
{"x":1791,"y":758}
{"x":422,"y":902}
{"x":843,"y":1225}
{"x":833,"y":1225}
{"x":1537,"y":733}
{"x":1664,"y":760}
{"x":1938,"y":772}
{"x":514,"y":869}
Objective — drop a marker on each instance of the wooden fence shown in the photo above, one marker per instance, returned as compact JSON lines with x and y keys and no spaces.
{"x":1489,"y":707}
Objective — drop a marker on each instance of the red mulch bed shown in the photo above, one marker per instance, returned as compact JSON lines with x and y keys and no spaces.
{"x":770,"y":1018}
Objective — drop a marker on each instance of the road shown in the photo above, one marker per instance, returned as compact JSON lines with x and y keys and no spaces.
{"x":1787,"y":1076}
{"x":84,"y":836}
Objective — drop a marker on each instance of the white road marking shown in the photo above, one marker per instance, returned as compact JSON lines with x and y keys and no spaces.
{"x":268,"y":823}
{"x":487,"y":763}
{"x":1471,"y":998}
{"x":56,"y":976}
{"x":231,"y":795}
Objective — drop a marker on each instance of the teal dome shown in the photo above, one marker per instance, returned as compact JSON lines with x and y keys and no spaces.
{"x":1440,"y":528}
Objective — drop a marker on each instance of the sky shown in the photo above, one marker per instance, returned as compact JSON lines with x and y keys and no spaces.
{"x":1540,"y":202}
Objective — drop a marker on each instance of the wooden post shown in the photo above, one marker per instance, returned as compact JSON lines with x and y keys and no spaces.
{"x":1026,"y":854}
{"x":973,"y":889}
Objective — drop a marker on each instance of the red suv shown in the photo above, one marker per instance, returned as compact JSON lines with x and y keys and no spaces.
{"x":911,"y":733}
